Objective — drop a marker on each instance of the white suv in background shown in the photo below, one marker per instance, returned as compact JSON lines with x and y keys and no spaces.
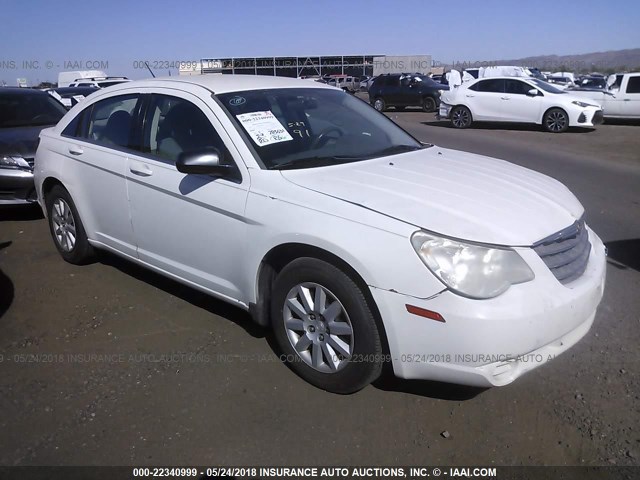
{"x":517,"y":99}
{"x":356,"y":243}
{"x":99,"y":82}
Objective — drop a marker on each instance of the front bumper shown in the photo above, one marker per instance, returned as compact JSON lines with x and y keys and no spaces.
{"x":16,"y":187}
{"x":493,"y":342}
{"x":588,"y":118}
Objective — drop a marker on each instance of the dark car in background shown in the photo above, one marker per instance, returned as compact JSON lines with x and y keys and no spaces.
{"x":69,"y":96}
{"x":402,"y":90}
{"x":23,"y":114}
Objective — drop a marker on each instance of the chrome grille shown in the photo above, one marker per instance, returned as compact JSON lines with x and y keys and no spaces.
{"x":566,"y":252}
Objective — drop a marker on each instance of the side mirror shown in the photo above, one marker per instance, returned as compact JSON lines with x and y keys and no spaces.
{"x":533,"y":92}
{"x":207,"y":161}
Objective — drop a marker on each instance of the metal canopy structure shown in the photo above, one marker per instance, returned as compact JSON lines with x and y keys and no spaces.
{"x":311,"y":66}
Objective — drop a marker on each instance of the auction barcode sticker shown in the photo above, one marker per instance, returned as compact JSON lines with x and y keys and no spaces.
{"x":264,"y":128}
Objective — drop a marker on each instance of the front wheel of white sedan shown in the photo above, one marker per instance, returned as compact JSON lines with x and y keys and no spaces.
{"x":325,"y":327}
{"x":556,"y":120}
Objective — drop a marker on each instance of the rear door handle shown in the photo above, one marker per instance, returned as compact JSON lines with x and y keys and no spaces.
{"x":76,"y":150}
{"x":140,"y":169}
{"x":505,"y":98}
{"x":469,"y":95}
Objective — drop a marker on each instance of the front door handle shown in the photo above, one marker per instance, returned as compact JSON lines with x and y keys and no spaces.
{"x":141,"y":169}
{"x":76,"y":150}
{"x":505,"y":98}
{"x":469,"y":95}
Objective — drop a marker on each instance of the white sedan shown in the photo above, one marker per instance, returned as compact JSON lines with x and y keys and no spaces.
{"x":517,"y":99}
{"x":357,"y":244}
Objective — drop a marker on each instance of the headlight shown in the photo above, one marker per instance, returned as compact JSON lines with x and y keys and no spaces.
{"x":13,"y":162}
{"x":582,"y":104}
{"x":471,"y":270}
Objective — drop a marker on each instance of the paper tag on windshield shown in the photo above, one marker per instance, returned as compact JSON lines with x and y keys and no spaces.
{"x":264,"y":128}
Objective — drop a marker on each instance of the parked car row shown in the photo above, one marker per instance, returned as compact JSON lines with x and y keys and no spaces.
{"x":517,"y":99}
{"x":556,"y":103}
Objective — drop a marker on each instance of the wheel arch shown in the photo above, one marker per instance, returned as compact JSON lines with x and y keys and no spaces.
{"x":280,"y":256}
{"x":553,"y":107}
{"x":47,"y":186}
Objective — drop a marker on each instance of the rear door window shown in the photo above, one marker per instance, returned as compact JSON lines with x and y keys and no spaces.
{"x":492,"y":85}
{"x":111,"y":121}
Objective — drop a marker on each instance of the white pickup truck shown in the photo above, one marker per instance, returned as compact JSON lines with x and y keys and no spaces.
{"x":621,"y":98}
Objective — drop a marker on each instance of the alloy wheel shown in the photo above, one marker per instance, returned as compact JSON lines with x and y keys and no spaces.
{"x":556,"y":121}
{"x":64,"y":226}
{"x":318,"y":327}
{"x":460,"y":118}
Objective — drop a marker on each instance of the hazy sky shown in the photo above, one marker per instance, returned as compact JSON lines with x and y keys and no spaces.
{"x":49,"y":33}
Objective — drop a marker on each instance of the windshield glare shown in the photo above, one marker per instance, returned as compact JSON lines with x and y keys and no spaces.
{"x":27,"y":109}
{"x":289,"y":127}
{"x":547,"y":87}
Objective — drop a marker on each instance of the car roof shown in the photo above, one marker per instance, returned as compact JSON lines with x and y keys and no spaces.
{"x":21,"y":91}
{"x":223,"y":83}
{"x":75,"y":89}
{"x":506,"y":77}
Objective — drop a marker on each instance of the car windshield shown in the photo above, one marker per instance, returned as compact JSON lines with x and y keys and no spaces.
{"x":547,"y":87}
{"x":307,"y":127}
{"x":29,"y":109}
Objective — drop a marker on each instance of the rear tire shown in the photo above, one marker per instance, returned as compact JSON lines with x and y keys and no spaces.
{"x":428,"y":104}
{"x":66,"y":227}
{"x":461,"y":117}
{"x":556,"y":120}
{"x":324,"y":327}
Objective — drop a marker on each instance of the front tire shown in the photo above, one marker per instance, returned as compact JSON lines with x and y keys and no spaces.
{"x":461,"y":117}
{"x":556,"y":120}
{"x":66,"y":227}
{"x":325,"y":327}
{"x":379,"y":104}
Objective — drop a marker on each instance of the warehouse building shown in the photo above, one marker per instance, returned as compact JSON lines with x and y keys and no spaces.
{"x":314,"y":66}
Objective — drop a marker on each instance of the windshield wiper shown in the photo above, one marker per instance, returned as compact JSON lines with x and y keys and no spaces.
{"x":319,"y":161}
{"x":397,"y":149}
{"x":313,"y":162}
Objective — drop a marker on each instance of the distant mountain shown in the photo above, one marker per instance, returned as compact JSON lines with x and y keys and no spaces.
{"x":605,"y":62}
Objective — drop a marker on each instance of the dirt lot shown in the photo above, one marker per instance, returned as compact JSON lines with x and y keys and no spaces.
{"x":110,"y":364}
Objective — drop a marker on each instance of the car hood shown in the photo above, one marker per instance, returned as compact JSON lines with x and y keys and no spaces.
{"x":20,"y":141}
{"x":452,"y":193}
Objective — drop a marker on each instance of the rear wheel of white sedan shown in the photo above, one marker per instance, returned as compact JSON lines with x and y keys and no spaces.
{"x":325,"y":327}
{"x":556,"y":120}
{"x":66,"y":228}
{"x":461,"y":117}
